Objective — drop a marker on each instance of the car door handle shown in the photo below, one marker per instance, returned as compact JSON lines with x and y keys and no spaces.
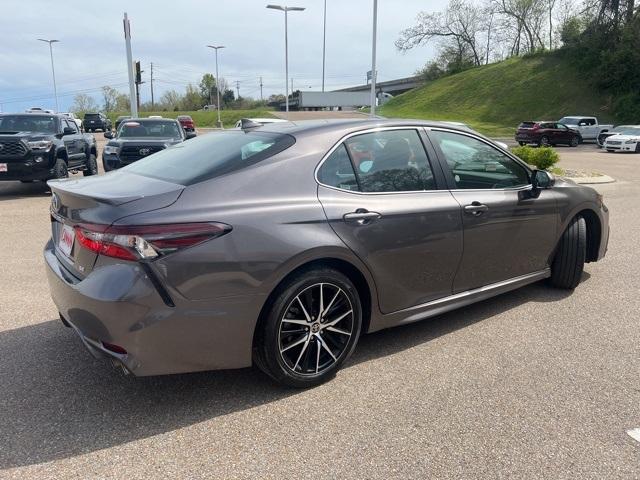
{"x":361,"y":217}
{"x":476,"y":209}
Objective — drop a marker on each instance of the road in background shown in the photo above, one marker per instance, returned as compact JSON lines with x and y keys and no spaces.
{"x":536,"y":383}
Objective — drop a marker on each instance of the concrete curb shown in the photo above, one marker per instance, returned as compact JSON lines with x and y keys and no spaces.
{"x":592,"y":180}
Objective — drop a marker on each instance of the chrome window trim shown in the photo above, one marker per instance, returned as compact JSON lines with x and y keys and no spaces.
{"x":416,"y":128}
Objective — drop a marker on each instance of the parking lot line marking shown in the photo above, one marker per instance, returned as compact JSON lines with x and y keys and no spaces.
{"x":634,"y":433}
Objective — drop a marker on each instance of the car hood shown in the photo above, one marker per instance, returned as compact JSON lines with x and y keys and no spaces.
{"x":27,"y":136}
{"x":622,"y":138}
{"x":144,"y":141}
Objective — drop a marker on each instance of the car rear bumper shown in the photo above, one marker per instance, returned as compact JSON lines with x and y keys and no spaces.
{"x":118,"y":304}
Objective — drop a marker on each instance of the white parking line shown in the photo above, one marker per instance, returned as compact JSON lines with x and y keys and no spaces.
{"x":634,"y":433}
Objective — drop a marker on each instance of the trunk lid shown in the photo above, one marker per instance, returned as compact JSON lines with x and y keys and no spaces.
{"x":101,"y":200}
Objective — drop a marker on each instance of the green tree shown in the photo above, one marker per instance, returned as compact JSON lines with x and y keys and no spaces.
{"x":208,"y":89}
{"x":192,"y":100}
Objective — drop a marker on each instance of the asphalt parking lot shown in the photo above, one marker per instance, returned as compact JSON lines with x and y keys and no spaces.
{"x":536,"y":383}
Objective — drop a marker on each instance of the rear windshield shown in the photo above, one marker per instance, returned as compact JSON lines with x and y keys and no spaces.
{"x":211,"y":155}
{"x":526,"y":125}
{"x":184,"y":117}
{"x":91,"y":115}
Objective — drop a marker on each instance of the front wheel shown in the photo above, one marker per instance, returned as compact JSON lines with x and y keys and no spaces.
{"x":568,"y":262}
{"x":574,"y":142}
{"x":92,"y":166}
{"x":311,"y":328}
{"x":60,"y":169}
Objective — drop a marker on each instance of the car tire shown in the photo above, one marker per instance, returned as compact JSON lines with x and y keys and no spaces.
{"x":574,"y":142}
{"x":544,"y":141}
{"x":60,"y":169}
{"x":92,"y":166}
{"x":296,"y":344}
{"x":637,"y":147}
{"x":568,"y":261}
{"x":522,"y":144}
{"x":610,"y":151}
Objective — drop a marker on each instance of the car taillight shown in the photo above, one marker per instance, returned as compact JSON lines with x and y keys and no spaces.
{"x":145,"y":242}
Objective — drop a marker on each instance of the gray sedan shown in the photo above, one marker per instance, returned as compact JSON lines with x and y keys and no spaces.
{"x":280,"y":245}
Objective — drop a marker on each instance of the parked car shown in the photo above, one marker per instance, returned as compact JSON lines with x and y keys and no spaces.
{"x":618,"y":130}
{"x":74,"y":118}
{"x":546,"y":134}
{"x":628,"y":140}
{"x":38,"y":110}
{"x":138,"y":138}
{"x":259,"y":121}
{"x":268,"y":246}
{"x":40,"y":146}
{"x":589,"y":127}
{"x":187,"y":123}
{"x":96,"y":121}
{"x":119,"y":120}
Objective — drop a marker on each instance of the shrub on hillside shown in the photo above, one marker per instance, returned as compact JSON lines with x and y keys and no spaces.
{"x":542,"y":158}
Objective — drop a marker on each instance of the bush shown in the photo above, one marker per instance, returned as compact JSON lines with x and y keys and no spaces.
{"x":542,"y":158}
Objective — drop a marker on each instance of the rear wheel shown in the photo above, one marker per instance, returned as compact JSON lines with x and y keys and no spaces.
{"x":568,"y":262}
{"x":544,"y":142}
{"x":92,"y":166}
{"x":638,"y":147}
{"x":522,"y":144}
{"x":60,"y":169}
{"x":311,"y":328}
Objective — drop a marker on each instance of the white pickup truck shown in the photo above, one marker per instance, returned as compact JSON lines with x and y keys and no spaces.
{"x":588,"y":127}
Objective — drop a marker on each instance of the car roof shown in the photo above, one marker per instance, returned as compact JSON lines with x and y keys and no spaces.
{"x":147,"y":119}
{"x":33,"y":114}
{"x":345,"y":126}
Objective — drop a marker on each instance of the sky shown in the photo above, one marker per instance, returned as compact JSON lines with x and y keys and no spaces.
{"x":173,"y":36}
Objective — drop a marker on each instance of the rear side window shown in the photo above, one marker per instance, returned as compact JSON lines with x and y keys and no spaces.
{"x":391,"y":161}
{"x":337,"y":170}
{"x":210,"y":156}
{"x":527,"y":125}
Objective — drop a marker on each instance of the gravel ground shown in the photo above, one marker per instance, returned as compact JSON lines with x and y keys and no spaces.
{"x":537,"y":383}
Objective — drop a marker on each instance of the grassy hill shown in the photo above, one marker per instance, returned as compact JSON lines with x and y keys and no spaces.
{"x":208,"y":118}
{"x":495,"y":98}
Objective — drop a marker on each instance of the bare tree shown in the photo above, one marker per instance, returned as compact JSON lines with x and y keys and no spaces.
{"x":525,"y":18}
{"x":459,"y":26}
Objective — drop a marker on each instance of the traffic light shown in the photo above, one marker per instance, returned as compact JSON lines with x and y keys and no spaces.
{"x":138,"y":72}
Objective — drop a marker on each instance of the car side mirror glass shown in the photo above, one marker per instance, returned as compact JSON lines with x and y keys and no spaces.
{"x":68,"y":131}
{"x":108,"y":134}
{"x":541,"y":179}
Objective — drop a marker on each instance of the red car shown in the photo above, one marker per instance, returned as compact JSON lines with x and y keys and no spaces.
{"x":547,"y":134}
{"x":187,"y":123}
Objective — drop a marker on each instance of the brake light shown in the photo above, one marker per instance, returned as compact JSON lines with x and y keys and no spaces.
{"x":145,"y":242}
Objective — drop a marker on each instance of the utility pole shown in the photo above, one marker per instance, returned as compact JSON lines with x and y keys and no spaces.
{"x":132,"y":87}
{"x":53,"y":70}
{"x":152,"y":102}
{"x":373,"y":59}
{"x":324,"y":41}
{"x":291,"y":85}
{"x":216,"y":48}
{"x":261,"y":98}
{"x":238,"y":87}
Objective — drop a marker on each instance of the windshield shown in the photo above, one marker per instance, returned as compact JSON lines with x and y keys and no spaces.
{"x":28,"y":123}
{"x":149,"y":129}
{"x":622,"y":130}
{"x":211,"y":155}
{"x":569,"y":120}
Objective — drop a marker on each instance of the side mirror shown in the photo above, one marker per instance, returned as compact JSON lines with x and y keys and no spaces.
{"x":542,"y":179}
{"x":189,"y":135}
{"x":68,"y":131}
{"x":108,"y":134}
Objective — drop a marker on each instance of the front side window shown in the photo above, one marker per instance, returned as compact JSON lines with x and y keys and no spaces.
{"x":475,"y":164}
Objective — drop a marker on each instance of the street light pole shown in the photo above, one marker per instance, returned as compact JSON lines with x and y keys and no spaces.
{"x":324,"y":42}
{"x":286,"y":9}
{"x":216,"y":48}
{"x":53,"y":70}
{"x":373,"y":59}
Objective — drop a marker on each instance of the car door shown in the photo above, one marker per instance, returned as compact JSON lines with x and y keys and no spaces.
{"x":74,"y":143}
{"x":564,"y":135}
{"x":509,"y":230}
{"x":381,"y":196}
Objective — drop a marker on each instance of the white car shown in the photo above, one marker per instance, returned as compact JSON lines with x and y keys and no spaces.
{"x":629,"y":141}
{"x":261,"y":121}
{"x":75,"y":119}
{"x":38,"y":110}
